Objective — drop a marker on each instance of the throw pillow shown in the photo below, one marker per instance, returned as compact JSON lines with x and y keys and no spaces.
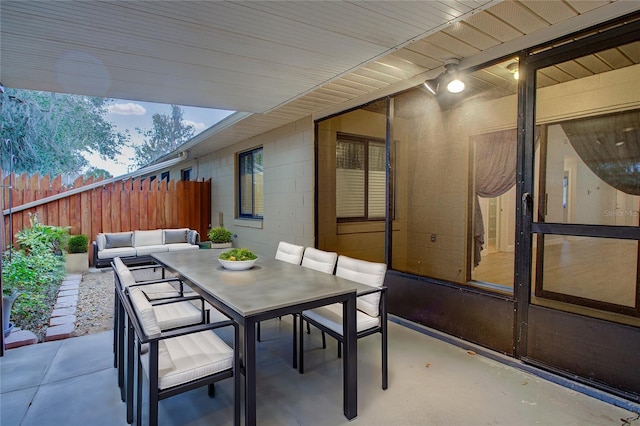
{"x":172,"y":236}
{"x":119,"y":239}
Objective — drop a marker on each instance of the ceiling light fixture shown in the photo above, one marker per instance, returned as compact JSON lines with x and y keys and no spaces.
{"x":432,"y":86}
{"x":449,"y":78}
{"x":455,"y":85}
{"x":514,"y":70}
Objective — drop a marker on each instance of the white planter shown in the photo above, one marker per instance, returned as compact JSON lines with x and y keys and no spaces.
{"x":221,"y":245}
{"x":77,"y":262}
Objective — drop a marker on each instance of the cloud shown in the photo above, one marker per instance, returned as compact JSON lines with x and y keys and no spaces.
{"x":196,"y":125}
{"x":127,"y":109}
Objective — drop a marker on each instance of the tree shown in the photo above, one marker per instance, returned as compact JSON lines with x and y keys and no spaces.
{"x":168,"y":133}
{"x":48,"y":133}
{"x":97,"y":173}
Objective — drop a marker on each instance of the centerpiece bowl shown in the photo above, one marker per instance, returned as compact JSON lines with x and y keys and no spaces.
{"x":237,"y":259}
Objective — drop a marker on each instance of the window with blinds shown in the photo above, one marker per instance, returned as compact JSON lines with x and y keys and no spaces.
{"x":250,"y":184}
{"x":360,"y":178}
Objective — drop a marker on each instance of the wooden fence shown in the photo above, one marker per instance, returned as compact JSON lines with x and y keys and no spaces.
{"x":132,"y":204}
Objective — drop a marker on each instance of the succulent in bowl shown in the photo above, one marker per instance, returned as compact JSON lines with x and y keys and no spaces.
{"x":238,"y":254}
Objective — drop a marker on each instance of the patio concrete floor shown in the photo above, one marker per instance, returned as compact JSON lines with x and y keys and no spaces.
{"x":431,"y":382}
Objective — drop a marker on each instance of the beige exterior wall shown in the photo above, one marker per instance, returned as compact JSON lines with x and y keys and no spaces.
{"x":288,"y":188}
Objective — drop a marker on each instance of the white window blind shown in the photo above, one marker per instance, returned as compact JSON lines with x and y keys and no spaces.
{"x":360,"y":178}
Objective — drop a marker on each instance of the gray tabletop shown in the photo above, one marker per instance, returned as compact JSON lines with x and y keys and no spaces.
{"x":268,"y":286}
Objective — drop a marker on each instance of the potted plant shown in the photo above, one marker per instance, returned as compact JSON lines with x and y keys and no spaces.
{"x":77,"y":257}
{"x":220,"y":237}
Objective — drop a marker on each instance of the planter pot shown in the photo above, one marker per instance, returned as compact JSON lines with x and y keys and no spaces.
{"x":77,"y":262}
{"x":7,"y":303}
{"x":221,"y":245}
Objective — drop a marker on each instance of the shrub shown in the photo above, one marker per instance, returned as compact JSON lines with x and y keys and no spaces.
{"x":78,"y":244}
{"x":34,"y":270}
{"x":219,"y":235}
{"x":54,"y":238}
{"x":35,"y":276}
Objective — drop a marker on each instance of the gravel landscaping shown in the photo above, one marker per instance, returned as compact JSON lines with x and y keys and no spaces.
{"x":95,"y":299}
{"x":95,"y":303}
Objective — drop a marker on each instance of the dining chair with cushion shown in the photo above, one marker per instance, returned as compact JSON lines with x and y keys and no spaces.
{"x":371,"y":312}
{"x":155,"y":290}
{"x":321,"y":261}
{"x":289,"y":253}
{"x":177,"y":360}
{"x":172,"y":310}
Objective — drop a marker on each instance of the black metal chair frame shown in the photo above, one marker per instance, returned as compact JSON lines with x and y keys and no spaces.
{"x":382,"y":329}
{"x":136,"y":337}
{"x":119,"y":323}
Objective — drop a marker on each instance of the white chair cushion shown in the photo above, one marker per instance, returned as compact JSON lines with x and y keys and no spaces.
{"x":159,"y":291}
{"x":154,"y":248}
{"x":319,"y":260}
{"x":116,"y":252}
{"x":119,"y":264}
{"x":145,"y":312}
{"x":290,"y":253}
{"x":369,"y":273}
{"x":181,"y":246}
{"x":147,"y":238}
{"x":193,"y":356}
{"x":174,"y":315}
{"x":151,"y":291}
{"x":126,"y":278}
{"x":330,"y":316}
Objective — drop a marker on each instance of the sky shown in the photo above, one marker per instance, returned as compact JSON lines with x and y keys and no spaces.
{"x":125,"y":114}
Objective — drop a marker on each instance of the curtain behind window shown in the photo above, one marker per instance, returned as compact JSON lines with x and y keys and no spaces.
{"x":610,"y":146}
{"x":495,"y":169}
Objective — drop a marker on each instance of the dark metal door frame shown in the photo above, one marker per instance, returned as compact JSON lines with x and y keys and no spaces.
{"x":529,"y":63}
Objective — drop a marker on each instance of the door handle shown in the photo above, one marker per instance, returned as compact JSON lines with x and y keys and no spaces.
{"x":527,"y":203}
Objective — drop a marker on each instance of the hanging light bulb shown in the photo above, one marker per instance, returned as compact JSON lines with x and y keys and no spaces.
{"x":455,"y":85}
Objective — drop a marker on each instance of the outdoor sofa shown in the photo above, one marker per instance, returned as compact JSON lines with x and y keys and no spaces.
{"x":136,"y":247}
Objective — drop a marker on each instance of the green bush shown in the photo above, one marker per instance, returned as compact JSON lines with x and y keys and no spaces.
{"x":36,"y":277}
{"x":54,"y":238}
{"x":219,"y":235}
{"x":78,"y":244}
{"x":34,"y":270}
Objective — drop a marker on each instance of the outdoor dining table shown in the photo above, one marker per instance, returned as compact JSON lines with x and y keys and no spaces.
{"x":270,"y":289}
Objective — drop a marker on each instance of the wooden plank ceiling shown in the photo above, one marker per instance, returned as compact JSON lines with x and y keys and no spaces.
{"x":236,"y":55}
{"x":280,"y":60}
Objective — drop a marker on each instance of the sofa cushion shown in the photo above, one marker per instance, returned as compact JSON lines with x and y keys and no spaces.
{"x":101,"y":241}
{"x":182,"y":246}
{"x":110,"y":253}
{"x":193,"y":237}
{"x":117,"y":240}
{"x":173,"y":236}
{"x":147,"y":238}
{"x":147,"y":250}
